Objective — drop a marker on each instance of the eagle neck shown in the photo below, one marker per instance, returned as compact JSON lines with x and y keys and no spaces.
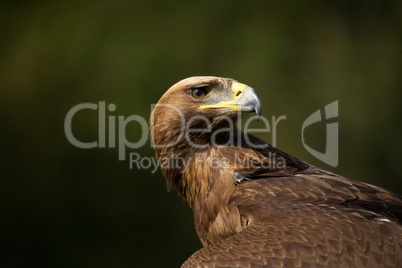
{"x":208,"y":186}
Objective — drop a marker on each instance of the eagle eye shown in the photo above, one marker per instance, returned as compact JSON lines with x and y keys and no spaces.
{"x":199,"y":92}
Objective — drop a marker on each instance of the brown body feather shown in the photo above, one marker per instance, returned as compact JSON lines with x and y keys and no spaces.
{"x":260,"y":207}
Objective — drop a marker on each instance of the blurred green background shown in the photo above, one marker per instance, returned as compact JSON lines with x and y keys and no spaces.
{"x":62,"y":206}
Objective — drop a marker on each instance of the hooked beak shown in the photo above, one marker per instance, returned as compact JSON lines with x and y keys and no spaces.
{"x":245,"y":99}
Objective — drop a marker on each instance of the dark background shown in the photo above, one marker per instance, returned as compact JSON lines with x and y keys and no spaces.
{"x":62,"y":206}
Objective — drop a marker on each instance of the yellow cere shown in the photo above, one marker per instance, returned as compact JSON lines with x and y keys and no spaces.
{"x":238,"y":90}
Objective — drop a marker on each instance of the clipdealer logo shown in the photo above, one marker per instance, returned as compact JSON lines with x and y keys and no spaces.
{"x":111,"y":126}
{"x":331,"y":154}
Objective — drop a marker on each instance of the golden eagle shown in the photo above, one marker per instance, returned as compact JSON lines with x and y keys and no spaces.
{"x":253,"y":204}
